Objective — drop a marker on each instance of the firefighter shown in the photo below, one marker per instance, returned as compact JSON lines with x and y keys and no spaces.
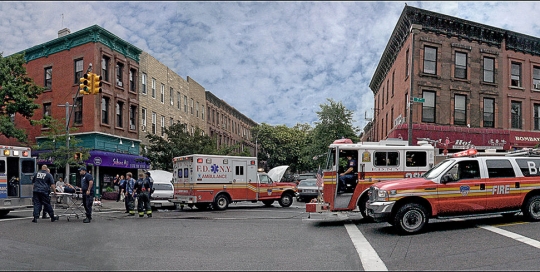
{"x":150,"y":180}
{"x":142,"y":188}
{"x":130,"y":193}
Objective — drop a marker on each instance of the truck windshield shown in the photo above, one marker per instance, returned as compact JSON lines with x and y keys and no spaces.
{"x":437,"y":169}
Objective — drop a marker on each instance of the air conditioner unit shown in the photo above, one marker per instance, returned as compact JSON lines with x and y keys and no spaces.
{"x":143,"y":127}
{"x":132,"y":127}
{"x":537,"y":86}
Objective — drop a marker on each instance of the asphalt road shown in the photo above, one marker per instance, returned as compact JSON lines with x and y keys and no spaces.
{"x":249,"y":236}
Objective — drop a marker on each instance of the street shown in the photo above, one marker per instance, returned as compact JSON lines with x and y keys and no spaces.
{"x":249,"y":236}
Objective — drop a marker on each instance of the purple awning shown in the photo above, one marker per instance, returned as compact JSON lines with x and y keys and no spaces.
{"x":118,"y":160}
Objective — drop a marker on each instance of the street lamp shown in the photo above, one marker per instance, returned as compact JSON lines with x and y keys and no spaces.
{"x":415,"y":28}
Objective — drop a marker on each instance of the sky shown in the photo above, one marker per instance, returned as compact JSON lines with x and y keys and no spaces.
{"x":275,"y":62}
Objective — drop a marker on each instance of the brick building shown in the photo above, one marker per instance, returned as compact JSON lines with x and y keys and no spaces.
{"x":480,"y":84}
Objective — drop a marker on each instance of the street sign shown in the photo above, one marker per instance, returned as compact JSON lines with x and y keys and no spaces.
{"x":419,"y":99}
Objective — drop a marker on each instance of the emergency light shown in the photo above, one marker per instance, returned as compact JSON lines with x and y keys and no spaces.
{"x":466,"y":153}
{"x":6,"y":152}
{"x":199,"y":160}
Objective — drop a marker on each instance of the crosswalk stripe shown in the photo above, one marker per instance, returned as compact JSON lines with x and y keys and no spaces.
{"x":369,"y":257}
{"x":512,"y":235}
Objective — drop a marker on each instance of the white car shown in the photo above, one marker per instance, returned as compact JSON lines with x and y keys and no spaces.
{"x":163,"y":190}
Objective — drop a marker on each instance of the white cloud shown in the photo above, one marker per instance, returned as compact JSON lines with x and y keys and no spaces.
{"x":275,"y":62}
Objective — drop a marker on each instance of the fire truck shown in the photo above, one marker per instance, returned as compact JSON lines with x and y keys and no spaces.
{"x":390,"y":159}
{"x":466,"y":185}
{"x":213,"y":181}
{"x":16,"y":170}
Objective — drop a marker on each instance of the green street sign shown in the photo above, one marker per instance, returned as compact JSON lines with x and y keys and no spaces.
{"x":419,"y":99}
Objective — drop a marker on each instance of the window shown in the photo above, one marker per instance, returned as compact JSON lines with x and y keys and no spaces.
{"x":78,"y":70}
{"x":143,"y":83}
{"x":46,"y":111}
{"x":390,"y":158}
{"x":171,"y":121}
{"x":202,"y":113}
{"x":171,"y":96}
{"x":162,"y":94}
{"x":500,"y":169}
{"x":77,"y":118}
{"x":428,"y":107}
{"x":460,"y":110}
{"x":191,"y":106}
{"x":119,"y":74}
{"x":153,"y":88}
{"x":393,"y":80}
{"x":525,"y":166}
{"x":515,"y":111}
{"x":407,"y":63}
{"x":178,"y":100}
{"x":105,"y":62}
{"x":489,"y":112}
{"x":162,"y":125}
{"x":536,"y":77}
{"x":132,"y":117}
{"x":515,"y":77}
{"x":489,"y":70}
{"x":119,"y":114}
{"x":132,"y":80}
{"x":460,"y":70}
{"x":430,"y":60}
{"x":105,"y":110}
{"x":382,"y":96}
{"x":185,"y":103}
{"x":143,"y":118}
{"x":48,"y":78}
{"x":536,"y":116}
{"x":154,"y":117}
{"x":197,"y":110}
{"x":416,"y":158}
{"x":387,"y":90}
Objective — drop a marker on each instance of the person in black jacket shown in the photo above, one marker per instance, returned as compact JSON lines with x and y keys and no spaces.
{"x":87,"y":185}
{"x":142,"y":188}
{"x":43,"y":181}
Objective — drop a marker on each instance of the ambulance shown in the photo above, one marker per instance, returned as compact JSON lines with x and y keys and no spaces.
{"x":214,"y":181}
{"x":466,"y":185}
{"x":391,"y":159}
{"x":16,"y":170}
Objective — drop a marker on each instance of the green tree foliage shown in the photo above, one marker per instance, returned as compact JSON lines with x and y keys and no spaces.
{"x":54,"y":147}
{"x":17,"y":95}
{"x":178,"y":142}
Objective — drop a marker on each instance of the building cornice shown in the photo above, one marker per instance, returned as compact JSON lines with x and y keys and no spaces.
{"x":93,"y":34}
{"x":213,"y":99}
{"x":449,"y":26}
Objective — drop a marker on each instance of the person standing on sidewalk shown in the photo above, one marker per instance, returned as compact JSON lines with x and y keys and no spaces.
{"x":142,"y":188}
{"x":87,"y":185}
{"x":42,"y":182}
{"x":130,"y":193}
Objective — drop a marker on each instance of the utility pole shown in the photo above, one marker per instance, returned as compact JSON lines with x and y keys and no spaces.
{"x":415,"y":28}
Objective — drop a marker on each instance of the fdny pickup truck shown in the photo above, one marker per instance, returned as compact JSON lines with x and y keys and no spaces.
{"x":462,"y":186}
{"x":214,"y":181}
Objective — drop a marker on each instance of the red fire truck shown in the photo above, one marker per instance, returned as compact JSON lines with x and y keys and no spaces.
{"x":206,"y":181}
{"x":16,"y":170}
{"x":390,"y":159}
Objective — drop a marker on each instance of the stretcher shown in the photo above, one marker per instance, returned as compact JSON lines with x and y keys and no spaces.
{"x":75,"y":207}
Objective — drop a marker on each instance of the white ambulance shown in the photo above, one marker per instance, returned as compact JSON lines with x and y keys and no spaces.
{"x":215,"y":181}
{"x":16,"y":170}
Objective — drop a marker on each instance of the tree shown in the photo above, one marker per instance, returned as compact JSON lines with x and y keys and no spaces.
{"x":178,"y":142}
{"x":54,"y":146}
{"x":335,"y":122}
{"x":17,"y":95}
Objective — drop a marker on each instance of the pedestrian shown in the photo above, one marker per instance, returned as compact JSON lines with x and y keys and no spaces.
{"x":116,"y":184}
{"x":87,"y":185}
{"x":130,"y":193}
{"x":42,"y":182}
{"x":150,"y":180}
{"x":142,"y":188}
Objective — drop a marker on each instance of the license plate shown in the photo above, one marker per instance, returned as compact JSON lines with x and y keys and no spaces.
{"x":309,"y":191}
{"x":158,"y":204}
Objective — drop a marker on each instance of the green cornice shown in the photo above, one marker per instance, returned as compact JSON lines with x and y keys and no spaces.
{"x":93,"y":33}
{"x":441,"y":24}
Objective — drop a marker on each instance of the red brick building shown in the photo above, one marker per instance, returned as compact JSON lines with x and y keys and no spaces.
{"x":107,"y":122}
{"x":473,"y":84}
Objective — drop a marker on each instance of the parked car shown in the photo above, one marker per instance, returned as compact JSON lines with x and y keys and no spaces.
{"x":163,"y":190}
{"x":307,"y":190}
{"x":304,"y":176}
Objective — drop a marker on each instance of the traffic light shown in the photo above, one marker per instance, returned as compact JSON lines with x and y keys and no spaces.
{"x":96,"y":84}
{"x":84,"y":87}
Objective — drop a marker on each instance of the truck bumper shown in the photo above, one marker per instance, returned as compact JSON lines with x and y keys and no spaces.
{"x":380,"y":211}
{"x":184,"y":200}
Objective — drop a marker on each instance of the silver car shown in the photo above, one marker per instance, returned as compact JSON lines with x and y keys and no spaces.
{"x":163,"y":191}
{"x":307,"y":190}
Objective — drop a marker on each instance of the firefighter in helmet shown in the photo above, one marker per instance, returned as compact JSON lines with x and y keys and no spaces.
{"x":142,"y":188}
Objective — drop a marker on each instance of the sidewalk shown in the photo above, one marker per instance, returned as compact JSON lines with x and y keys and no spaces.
{"x":113,"y":205}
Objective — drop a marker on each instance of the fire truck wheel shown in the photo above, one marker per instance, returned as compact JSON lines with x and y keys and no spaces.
{"x":221,"y":202}
{"x":268,"y":203}
{"x":286,"y":200}
{"x":531,"y":209}
{"x":362,"y":206}
{"x":4,"y":213}
{"x":410,"y":218}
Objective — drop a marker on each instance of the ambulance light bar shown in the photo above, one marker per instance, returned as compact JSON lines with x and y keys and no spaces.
{"x":466,"y":153}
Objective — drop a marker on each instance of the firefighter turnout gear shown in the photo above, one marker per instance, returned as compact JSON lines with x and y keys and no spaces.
{"x":130,"y":193}
{"x":142,"y":188}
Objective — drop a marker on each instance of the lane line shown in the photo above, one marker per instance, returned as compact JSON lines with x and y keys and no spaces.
{"x":368,"y":256}
{"x":512,"y":235}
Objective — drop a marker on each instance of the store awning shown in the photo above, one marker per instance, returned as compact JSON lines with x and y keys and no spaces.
{"x":117,"y":160}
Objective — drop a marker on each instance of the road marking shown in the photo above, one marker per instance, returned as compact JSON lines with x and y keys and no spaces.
{"x":512,"y":235}
{"x":368,"y":256}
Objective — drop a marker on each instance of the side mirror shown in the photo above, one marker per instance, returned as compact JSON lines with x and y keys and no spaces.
{"x":446,"y":178}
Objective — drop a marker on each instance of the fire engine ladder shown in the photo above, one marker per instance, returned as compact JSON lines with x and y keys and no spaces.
{"x":529,"y":152}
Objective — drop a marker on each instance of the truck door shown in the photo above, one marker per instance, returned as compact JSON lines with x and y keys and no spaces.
{"x":240,"y":179}
{"x":27,"y":168}
{"x":5,"y":188}
{"x":503,"y":189}
{"x":265,"y":187}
